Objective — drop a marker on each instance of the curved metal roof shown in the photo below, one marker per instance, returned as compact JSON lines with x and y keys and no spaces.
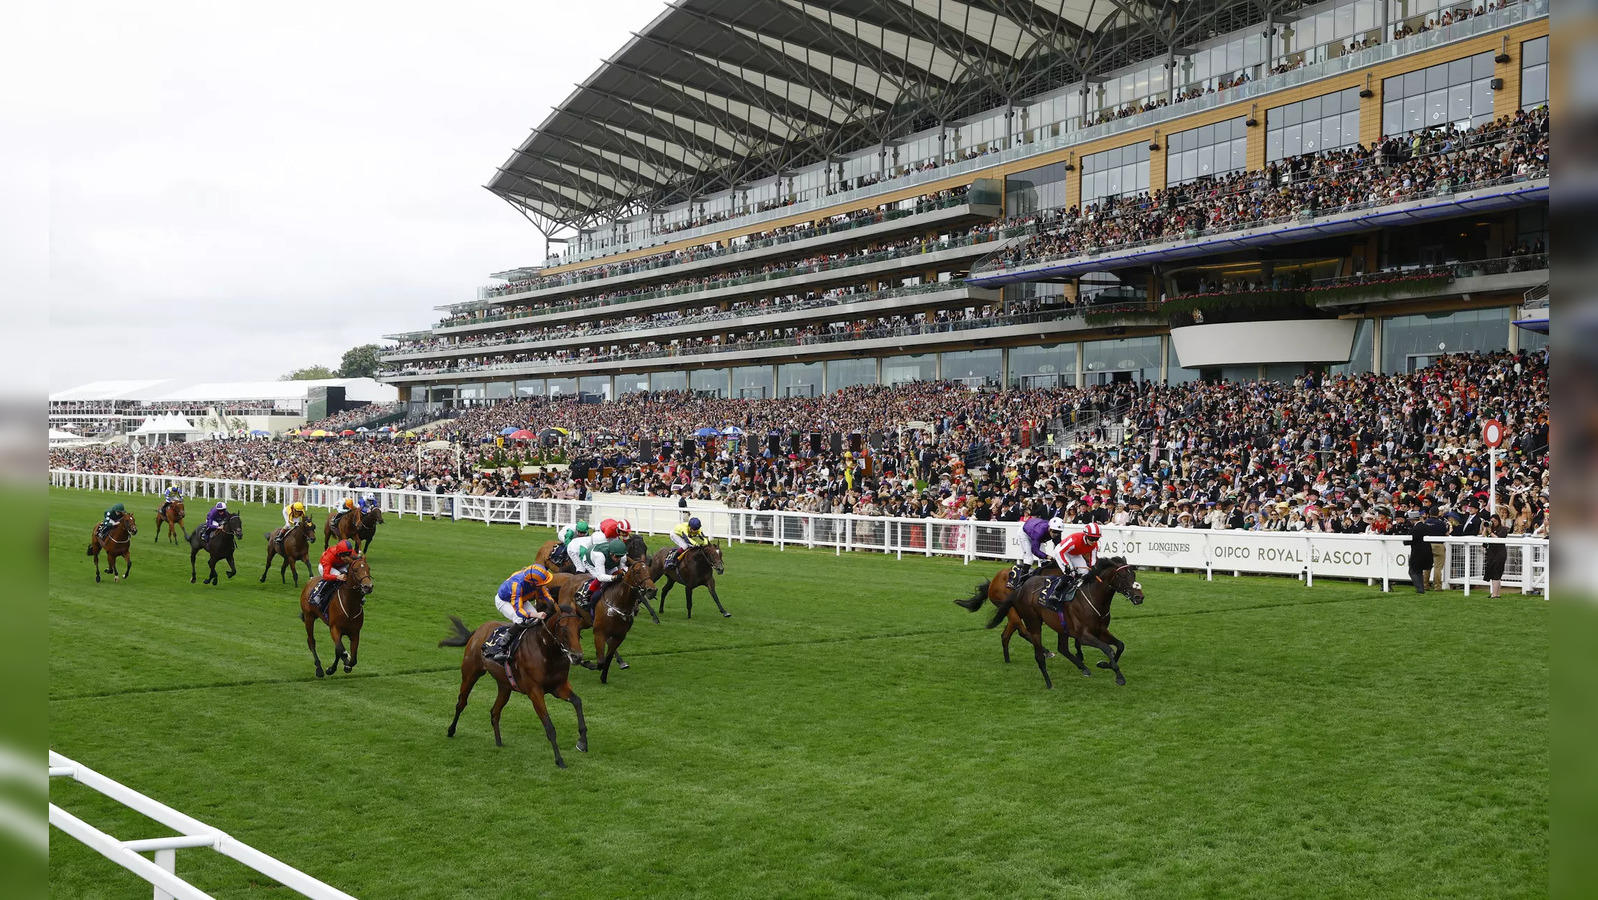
{"x":715,"y":93}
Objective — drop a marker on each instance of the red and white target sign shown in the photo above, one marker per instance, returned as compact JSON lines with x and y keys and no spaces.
{"x":1492,"y":433}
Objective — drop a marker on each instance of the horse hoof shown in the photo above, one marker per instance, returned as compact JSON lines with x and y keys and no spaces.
{"x":1086,"y":674}
{"x":560,"y":763}
{"x":726,"y":615}
{"x":347,"y":669}
{"x":582,"y":746}
{"x":1120,"y":681}
{"x":622,"y":665}
{"x":319,"y":672}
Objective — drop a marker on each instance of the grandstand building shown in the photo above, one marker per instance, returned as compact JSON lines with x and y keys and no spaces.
{"x":112,"y":410}
{"x":781,"y":197}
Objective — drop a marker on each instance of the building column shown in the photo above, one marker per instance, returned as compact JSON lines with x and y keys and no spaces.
{"x":1165,"y":359}
{"x":1376,"y":345}
{"x":1079,"y":357}
{"x":879,"y":370}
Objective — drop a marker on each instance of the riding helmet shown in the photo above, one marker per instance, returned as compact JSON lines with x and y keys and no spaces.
{"x":693,"y":523}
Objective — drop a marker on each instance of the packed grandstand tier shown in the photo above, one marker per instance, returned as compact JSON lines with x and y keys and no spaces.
{"x":1339,"y":453}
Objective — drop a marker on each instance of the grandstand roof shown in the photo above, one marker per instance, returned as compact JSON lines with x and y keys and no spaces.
{"x":142,"y":389}
{"x":176,"y":390}
{"x":713,"y":93}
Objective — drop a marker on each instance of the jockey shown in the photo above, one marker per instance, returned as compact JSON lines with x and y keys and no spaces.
{"x":1041,"y":538}
{"x":174,"y":494}
{"x":346,"y":506}
{"x":335,"y":560}
{"x":599,"y":559}
{"x":293,"y":515}
{"x":367,"y":503}
{"x":610,"y":528}
{"x":1075,"y":557}
{"x":561,"y":554}
{"x":684,"y":536}
{"x":112,"y":517}
{"x":624,"y":529}
{"x":518,"y":597}
{"x":214,"y":519}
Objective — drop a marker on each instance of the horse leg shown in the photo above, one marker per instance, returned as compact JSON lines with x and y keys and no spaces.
{"x":231,"y":568}
{"x":1004,"y":639}
{"x":650,"y":610}
{"x":193,"y":552}
{"x":310,"y":637}
{"x":269,"y":554}
{"x":212,"y":578}
{"x":499,"y":704}
{"x":339,"y":655}
{"x":566,"y":693}
{"x":663,"y":592}
{"x":127,"y":570}
{"x":688,"y":600}
{"x":355,"y":649}
{"x":1109,"y":653}
{"x":711,"y":587}
{"x":1075,"y":658}
{"x":610,"y":654}
{"x":468,"y":681}
{"x":536,"y":694}
{"x":1113,"y":641}
{"x":96,"y":555}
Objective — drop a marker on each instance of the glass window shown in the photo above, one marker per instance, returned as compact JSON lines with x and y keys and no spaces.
{"x":1411,"y":342}
{"x":1534,"y":73}
{"x":973,"y":368}
{"x":1328,"y":122}
{"x":799,"y":379}
{"x":1174,"y":373}
{"x":842,"y":373}
{"x":1105,"y":362}
{"x":631,"y":384}
{"x":1457,"y":94}
{"x":500,"y":390}
{"x":531,"y":387}
{"x":1359,"y":362}
{"x":903,"y":369}
{"x":669,"y":381}
{"x":1206,"y":151}
{"x":751,"y":382}
{"x":1035,"y":189}
{"x":562,"y":387}
{"x":1112,"y":173}
{"x":594,"y":387}
{"x":708,"y":381}
{"x":1047,"y":366}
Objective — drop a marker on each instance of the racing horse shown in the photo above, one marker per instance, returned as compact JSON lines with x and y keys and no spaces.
{"x":219,"y":545}
{"x":994,"y":591}
{"x":368,"y":529}
{"x":610,"y":614}
{"x":170,"y":515}
{"x":1085,"y":618}
{"x":349,"y":525}
{"x":346,"y":610}
{"x":696,"y":567}
{"x":542,"y":557}
{"x":637,"y":552}
{"x":117,"y":542}
{"x":295,"y":549}
{"x":539,"y":664}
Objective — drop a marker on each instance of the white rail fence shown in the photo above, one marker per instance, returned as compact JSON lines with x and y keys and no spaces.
{"x":162,"y":872}
{"x":1304,"y":555}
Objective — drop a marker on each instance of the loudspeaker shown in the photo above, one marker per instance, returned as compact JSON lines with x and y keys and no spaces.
{"x":837,"y":444}
{"x":646,"y":449}
{"x":1496,"y":84}
{"x":815,"y":443}
{"x":774,"y":444}
{"x":854,"y":442}
{"x":689,"y":448}
{"x":793,"y":444}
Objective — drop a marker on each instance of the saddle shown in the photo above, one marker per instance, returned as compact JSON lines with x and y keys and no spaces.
{"x":558,"y":556}
{"x":1051,"y":595}
{"x":501,"y":643}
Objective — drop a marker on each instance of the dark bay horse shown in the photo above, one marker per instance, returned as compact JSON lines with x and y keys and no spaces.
{"x":117,"y":542}
{"x":611,"y":614}
{"x":1086,"y":618}
{"x":697,"y":567}
{"x":368,"y":529}
{"x":349,"y":525}
{"x":170,"y":515}
{"x":539,"y":665}
{"x":295,"y":549}
{"x":346,"y":611}
{"x":219,"y":546}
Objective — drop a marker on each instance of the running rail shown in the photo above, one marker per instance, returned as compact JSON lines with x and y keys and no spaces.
{"x":162,"y":873}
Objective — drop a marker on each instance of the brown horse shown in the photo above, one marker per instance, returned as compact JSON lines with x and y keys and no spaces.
{"x":611,"y":614}
{"x":542,"y":558}
{"x":368,"y":529}
{"x":349,"y":525}
{"x":170,"y":515}
{"x":117,"y":542}
{"x":696,"y":567}
{"x":994,"y":591}
{"x":1085,"y":618}
{"x":538,"y":665}
{"x":346,"y":610}
{"x":295,"y":548}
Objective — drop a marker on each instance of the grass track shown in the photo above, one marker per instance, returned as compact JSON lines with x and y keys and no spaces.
{"x":848,"y":733}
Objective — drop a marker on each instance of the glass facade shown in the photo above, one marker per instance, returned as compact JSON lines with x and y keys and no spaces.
{"x":1458,"y":94}
{"x":1207,"y":150}
{"x":1360,"y":361}
{"x":1534,"y":73}
{"x":1035,"y":189}
{"x":799,"y":380}
{"x":1140,"y":357}
{"x":903,"y":369}
{"x":974,"y":368}
{"x":751,"y":382}
{"x":708,"y":381}
{"x":1412,"y":342}
{"x":1174,"y":373}
{"x":1532,"y":340}
{"x":1046,"y":366}
{"x":562,"y":387}
{"x":1320,"y":123}
{"x":842,"y":373}
{"x":500,"y":390}
{"x":595,"y":387}
{"x":530,"y":387}
{"x":631,"y":384}
{"x":1112,"y":173}
{"x":676,"y":380}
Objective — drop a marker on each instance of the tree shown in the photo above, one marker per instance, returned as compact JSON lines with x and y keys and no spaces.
{"x":359,"y":362}
{"x":309,"y":373}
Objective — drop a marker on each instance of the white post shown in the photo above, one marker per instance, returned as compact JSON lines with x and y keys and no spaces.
{"x":1492,"y":493}
{"x":168,"y":860}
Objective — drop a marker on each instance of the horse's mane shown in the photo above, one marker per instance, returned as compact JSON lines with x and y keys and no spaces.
{"x":1109,"y":562}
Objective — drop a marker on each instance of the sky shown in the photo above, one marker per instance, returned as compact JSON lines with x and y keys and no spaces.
{"x":234,"y":191}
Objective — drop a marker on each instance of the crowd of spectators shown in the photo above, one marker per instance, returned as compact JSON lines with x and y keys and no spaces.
{"x":1323,"y":453}
{"x":354,"y":417}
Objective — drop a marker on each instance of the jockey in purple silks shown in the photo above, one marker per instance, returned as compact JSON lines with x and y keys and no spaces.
{"x":1040,"y":537}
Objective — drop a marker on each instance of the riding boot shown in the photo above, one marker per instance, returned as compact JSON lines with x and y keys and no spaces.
{"x":671,"y":560}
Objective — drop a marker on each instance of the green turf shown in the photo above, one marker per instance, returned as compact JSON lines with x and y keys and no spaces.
{"x":848,"y":733}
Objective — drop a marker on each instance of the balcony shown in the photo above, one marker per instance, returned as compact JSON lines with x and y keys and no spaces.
{"x":1475,"y":278}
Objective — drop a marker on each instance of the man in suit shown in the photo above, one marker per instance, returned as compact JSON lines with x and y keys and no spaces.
{"x":1420,"y":550}
{"x":1437,"y":524}
{"x":1473,"y":524}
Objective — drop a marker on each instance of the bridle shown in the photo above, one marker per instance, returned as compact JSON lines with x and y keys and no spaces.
{"x":1109,"y":583}
{"x":130,"y":531}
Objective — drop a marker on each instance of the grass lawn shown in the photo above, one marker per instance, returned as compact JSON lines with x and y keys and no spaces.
{"x":848,"y":733}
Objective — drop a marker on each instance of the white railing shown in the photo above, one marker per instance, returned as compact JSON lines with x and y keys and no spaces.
{"x":1305,"y":555}
{"x":192,"y":834}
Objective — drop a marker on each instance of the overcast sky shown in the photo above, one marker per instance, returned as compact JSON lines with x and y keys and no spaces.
{"x":237,"y":190}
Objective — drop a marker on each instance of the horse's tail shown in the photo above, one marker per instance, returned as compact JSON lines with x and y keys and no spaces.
{"x":977,"y":598}
{"x":460,"y":637}
{"x":1003,"y":612}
